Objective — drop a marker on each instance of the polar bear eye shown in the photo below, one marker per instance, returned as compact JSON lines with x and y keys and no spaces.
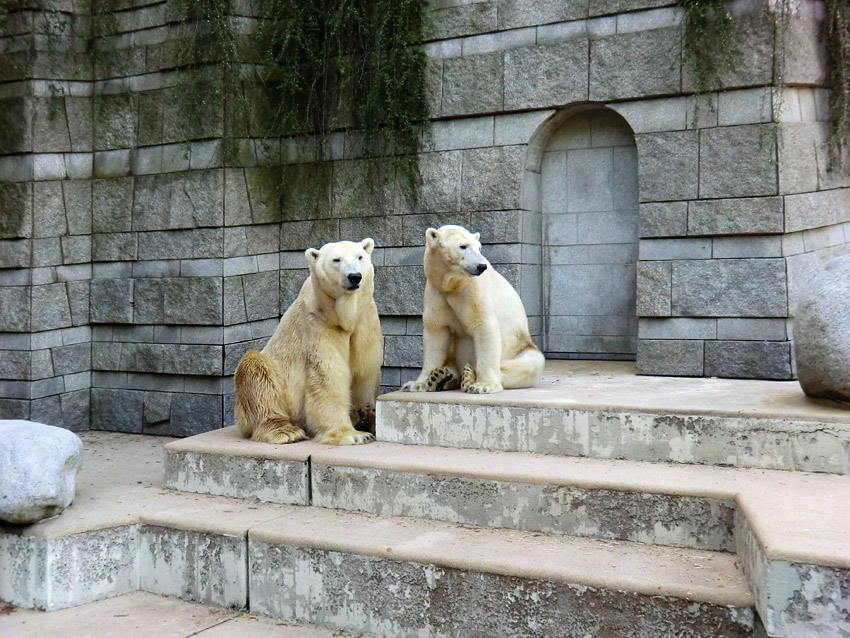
{"x":336,"y":261}
{"x":464,"y":246}
{"x":359,"y":257}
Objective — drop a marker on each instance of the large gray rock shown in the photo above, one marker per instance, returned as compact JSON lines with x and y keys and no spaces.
{"x":822,"y":332}
{"x":38,"y":470}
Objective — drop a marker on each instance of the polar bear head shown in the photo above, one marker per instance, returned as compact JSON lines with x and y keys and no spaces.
{"x":457,"y":248}
{"x":342,"y":267}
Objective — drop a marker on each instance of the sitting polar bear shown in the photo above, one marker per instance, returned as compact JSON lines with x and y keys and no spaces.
{"x":474,"y":321}
{"x":320,"y":372}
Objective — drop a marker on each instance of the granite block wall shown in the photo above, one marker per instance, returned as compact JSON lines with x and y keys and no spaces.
{"x":141,"y":255}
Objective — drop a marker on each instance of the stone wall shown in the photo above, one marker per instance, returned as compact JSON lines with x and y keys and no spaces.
{"x":138,"y":263}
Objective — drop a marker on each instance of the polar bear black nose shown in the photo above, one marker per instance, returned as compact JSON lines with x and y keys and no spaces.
{"x":355,"y":277}
{"x":481,"y":268}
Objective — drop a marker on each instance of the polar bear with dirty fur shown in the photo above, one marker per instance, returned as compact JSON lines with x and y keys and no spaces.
{"x":320,"y":372}
{"x":475,"y":328}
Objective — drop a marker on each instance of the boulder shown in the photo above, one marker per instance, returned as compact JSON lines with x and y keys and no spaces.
{"x":38,"y":470}
{"x":822,"y":332}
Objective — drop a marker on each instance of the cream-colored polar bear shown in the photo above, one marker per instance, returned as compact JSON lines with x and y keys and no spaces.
{"x":474,"y":321}
{"x":320,"y":372}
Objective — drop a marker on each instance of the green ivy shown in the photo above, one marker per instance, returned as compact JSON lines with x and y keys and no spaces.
{"x":837,"y":37}
{"x":709,"y":44}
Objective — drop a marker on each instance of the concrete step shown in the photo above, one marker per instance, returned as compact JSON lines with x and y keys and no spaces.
{"x":124,"y":533}
{"x":603,"y":410}
{"x":398,"y":576}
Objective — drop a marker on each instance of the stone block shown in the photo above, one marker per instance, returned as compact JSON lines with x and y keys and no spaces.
{"x":50,"y":126}
{"x":748,"y":106}
{"x":117,"y":121}
{"x":112,"y":205}
{"x":473,"y":84}
{"x":742,"y":247}
{"x":498,"y":227}
{"x":736,"y":216}
{"x":669,"y":166}
{"x":748,"y":359}
{"x":16,"y":210}
{"x":78,"y":296}
{"x":732,"y":329}
{"x":635,"y":65}
{"x":17,"y":365}
{"x":811,"y":210}
{"x":804,"y":54}
{"x":670,"y":357}
{"x":113,"y":247}
{"x":112,"y":163}
{"x":730,"y":288}
{"x":16,"y":115}
{"x":402,"y":351}
{"x":178,"y":200}
{"x":71,"y":359}
{"x":111,"y":301}
{"x":46,"y":251}
{"x":181,"y":300}
{"x":441,"y":181}
{"x":76,"y":407}
{"x":18,"y":253}
{"x":262,"y":295}
{"x":522,"y":13}
{"x":530,"y":82}
{"x":465,"y":19}
{"x":149,"y":127}
{"x":307,"y":191}
{"x":661,"y":249}
{"x":737,"y":161}
{"x":50,"y":307}
{"x":201,"y":243}
{"x":190,"y":414}
{"x":116,"y":410}
{"x":653,"y":295}
{"x":677,"y":328}
{"x":244,"y":240}
{"x":80,"y":124}
{"x":40,"y":470}
{"x":605,"y":7}
{"x":399,"y":290}
{"x":663,"y":219}
{"x":48,"y":210}
{"x":492,"y":178}
{"x":78,"y":206}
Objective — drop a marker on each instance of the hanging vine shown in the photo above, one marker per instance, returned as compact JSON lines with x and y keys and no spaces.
{"x":310,"y":69}
{"x":837,"y":36}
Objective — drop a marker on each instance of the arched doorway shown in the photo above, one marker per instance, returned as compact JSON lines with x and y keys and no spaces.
{"x":589,"y":206}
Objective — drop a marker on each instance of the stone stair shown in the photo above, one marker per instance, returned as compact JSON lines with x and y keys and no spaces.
{"x":543,"y":534}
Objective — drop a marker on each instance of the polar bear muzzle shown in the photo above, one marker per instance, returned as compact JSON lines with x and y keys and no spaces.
{"x":476,"y":269}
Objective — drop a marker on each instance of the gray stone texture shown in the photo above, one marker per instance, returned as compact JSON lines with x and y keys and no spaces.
{"x":40,"y":464}
{"x":669,"y":166}
{"x":530,"y":82}
{"x":671,"y":357}
{"x":473,"y":84}
{"x":822,"y":332}
{"x":735,"y":216}
{"x":748,"y":359}
{"x":737,"y":161}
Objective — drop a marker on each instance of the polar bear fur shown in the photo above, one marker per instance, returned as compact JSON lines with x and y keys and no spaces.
{"x":320,"y":372}
{"x":475,"y":328}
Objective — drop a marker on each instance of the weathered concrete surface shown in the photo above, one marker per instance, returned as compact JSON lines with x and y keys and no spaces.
{"x":39,"y":470}
{"x":660,"y":519}
{"x":224,"y":463}
{"x":600,"y":409}
{"x":449,"y":580}
{"x":142,"y":613}
{"x":822,"y":332}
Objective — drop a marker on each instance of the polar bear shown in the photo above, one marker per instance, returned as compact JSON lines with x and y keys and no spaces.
{"x":474,"y":321}
{"x":320,"y":372}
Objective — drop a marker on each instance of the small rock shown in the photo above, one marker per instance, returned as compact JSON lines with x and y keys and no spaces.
{"x":38,"y":470}
{"x":822,"y":332}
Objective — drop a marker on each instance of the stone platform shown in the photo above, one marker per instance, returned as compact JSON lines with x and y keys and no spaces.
{"x":471,"y":542}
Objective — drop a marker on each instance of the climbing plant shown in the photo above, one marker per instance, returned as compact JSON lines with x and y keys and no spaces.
{"x":837,"y":37}
{"x":709,"y":44}
{"x":309,"y":69}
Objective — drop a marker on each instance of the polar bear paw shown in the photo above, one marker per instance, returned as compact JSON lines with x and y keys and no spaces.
{"x":467,"y":377}
{"x":348,"y":436}
{"x":442,"y":379}
{"x":484,"y":388}
{"x":414,"y":386}
{"x":363,"y":418}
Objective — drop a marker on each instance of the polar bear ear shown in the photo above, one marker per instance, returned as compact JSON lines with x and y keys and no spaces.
{"x":432,"y":236}
{"x":477,"y":236}
{"x":368,"y":245}
{"x":312,"y":255}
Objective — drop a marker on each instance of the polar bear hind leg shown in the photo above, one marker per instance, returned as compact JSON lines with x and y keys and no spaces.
{"x":523,"y":370}
{"x":259,"y":414}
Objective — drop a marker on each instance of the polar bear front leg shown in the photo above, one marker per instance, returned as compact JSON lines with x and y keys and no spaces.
{"x":327,"y":410}
{"x":435,"y":375}
{"x":486,"y":378}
